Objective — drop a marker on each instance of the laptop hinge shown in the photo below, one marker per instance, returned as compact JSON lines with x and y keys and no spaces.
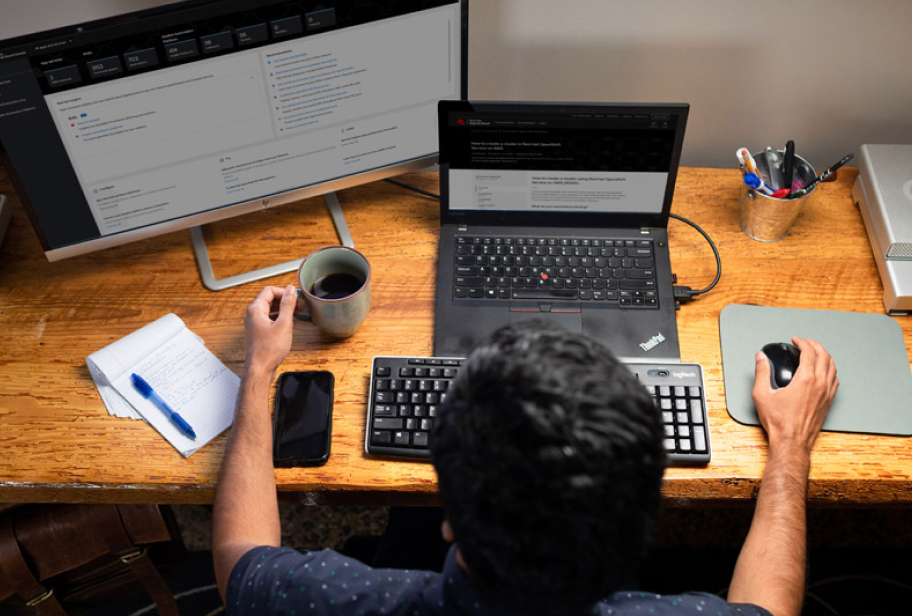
{"x":462,"y":228}
{"x":645,"y":230}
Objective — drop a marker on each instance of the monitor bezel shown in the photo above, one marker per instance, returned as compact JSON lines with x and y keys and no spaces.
{"x":219,"y":212}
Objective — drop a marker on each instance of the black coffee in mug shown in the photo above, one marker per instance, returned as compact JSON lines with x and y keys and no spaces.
{"x":336,"y":286}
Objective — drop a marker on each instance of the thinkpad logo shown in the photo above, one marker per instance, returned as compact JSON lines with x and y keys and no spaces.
{"x":652,"y":342}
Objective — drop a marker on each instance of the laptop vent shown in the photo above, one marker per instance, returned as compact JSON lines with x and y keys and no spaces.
{"x":900,"y":251}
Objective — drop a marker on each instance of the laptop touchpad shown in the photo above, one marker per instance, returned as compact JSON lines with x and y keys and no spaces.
{"x":571,"y":321}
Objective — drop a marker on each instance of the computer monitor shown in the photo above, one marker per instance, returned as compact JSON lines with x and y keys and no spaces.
{"x":142,"y":124}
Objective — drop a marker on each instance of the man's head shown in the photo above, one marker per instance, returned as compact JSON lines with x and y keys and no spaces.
{"x":550,"y":460}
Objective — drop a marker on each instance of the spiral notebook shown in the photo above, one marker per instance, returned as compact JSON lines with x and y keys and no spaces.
{"x":179,"y":367}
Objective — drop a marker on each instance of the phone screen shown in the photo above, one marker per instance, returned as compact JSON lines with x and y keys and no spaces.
{"x":302,"y":426}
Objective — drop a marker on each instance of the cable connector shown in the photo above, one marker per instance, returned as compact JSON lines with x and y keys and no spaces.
{"x":682,"y":295}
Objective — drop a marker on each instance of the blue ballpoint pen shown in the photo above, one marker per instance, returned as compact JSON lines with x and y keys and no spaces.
{"x":149,"y":394}
{"x":754,"y":181}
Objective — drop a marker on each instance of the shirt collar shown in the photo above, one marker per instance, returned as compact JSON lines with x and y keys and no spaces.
{"x":456,"y":588}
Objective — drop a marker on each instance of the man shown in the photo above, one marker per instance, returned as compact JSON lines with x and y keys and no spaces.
{"x":549,"y":460}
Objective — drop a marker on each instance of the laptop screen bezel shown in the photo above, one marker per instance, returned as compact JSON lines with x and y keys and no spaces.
{"x":560,"y":219}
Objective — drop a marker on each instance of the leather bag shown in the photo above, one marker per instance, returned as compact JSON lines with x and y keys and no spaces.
{"x":60,"y":559}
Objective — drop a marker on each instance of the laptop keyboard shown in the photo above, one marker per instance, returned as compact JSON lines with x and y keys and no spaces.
{"x":603,"y":271}
{"x":406,"y":393}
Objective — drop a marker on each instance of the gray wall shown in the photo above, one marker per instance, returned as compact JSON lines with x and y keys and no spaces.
{"x":830,"y":74}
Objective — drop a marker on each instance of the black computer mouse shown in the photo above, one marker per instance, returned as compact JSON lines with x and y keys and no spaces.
{"x":783,"y":359}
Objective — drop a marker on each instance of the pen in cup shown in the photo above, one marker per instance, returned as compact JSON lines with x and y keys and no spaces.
{"x":772,"y":164}
{"x":788,"y":165}
{"x":823,"y":176}
{"x":754,"y":181}
{"x":149,"y":394}
{"x":747,"y":161}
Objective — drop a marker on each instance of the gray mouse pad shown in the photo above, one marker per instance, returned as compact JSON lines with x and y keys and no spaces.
{"x":875,"y":381}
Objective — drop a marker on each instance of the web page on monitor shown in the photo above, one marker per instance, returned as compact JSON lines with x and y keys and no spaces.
{"x":192,"y":108}
{"x":231,"y":129}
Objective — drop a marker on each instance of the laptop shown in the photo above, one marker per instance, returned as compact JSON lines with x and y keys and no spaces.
{"x":558,"y":211}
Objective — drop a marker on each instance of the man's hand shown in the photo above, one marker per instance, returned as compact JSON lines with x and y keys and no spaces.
{"x":268,"y":340}
{"x":795,"y":413}
{"x":246,"y":513}
{"x":771,"y":567}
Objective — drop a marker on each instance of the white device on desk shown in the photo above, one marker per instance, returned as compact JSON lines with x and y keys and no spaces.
{"x":883,"y":193}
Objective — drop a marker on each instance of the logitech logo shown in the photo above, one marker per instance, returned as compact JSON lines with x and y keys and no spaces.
{"x":652,"y":342}
{"x":683,"y":375}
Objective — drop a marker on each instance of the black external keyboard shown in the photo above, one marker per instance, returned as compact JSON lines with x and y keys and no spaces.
{"x":406,"y":392}
{"x":679,"y":393}
{"x":601,"y":271}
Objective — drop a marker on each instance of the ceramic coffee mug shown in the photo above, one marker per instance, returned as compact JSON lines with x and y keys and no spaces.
{"x":336,"y":289}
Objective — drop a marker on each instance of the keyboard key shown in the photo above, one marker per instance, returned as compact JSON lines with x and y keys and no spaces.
{"x":696,"y":411}
{"x":401,"y":438}
{"x":699,"y":439}
{"x":381,"y":437}
{"x":384,"y":410}
{"x":544,"y":294}
{"x":384,"y":423}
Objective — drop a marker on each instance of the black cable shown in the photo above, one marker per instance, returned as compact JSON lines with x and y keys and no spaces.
{"x":682,"y":293}
{"x":417,"y":190}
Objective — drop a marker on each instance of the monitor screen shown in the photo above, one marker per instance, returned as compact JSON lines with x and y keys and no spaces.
{"x":582,"y":164}
{"x":561,"y":160}
{"x":169,"y":118}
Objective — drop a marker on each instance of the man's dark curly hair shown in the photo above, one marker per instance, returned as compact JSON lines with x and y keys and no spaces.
{"x":550,"y":459}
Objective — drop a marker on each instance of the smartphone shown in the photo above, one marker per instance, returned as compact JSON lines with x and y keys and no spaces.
{"x":302,"y":422}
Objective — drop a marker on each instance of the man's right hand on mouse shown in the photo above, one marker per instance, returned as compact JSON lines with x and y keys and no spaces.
{"x":795,"y":414}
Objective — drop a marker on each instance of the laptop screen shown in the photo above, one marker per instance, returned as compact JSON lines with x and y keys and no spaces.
{"x":553,"y":160}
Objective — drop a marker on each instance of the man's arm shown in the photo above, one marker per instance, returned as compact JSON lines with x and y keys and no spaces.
{"x":771,"y":567}
{"x":246,"y":513}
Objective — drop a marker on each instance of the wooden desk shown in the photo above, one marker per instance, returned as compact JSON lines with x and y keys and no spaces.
{"x":59,"y":443}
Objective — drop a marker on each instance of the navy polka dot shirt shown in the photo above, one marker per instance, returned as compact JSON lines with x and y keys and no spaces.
{"x":284,"y":582}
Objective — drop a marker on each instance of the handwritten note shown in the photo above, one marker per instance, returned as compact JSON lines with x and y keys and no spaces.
{"x":179,"y":367}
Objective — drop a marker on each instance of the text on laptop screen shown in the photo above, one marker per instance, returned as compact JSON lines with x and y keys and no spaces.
{"x":599,"y":162}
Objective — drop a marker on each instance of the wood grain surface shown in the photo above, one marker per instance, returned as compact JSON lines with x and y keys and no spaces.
{"x":59,"y":444}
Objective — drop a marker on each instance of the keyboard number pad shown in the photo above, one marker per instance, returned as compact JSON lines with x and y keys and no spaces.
{"x":682,"y":416}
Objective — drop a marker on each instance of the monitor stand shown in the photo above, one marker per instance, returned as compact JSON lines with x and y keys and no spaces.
{"x":220,"y":284}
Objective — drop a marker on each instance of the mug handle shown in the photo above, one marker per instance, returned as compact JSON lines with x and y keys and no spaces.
{"x":302,"y":316}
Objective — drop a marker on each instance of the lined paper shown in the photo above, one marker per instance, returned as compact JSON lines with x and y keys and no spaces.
{"x":179,"y":367}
